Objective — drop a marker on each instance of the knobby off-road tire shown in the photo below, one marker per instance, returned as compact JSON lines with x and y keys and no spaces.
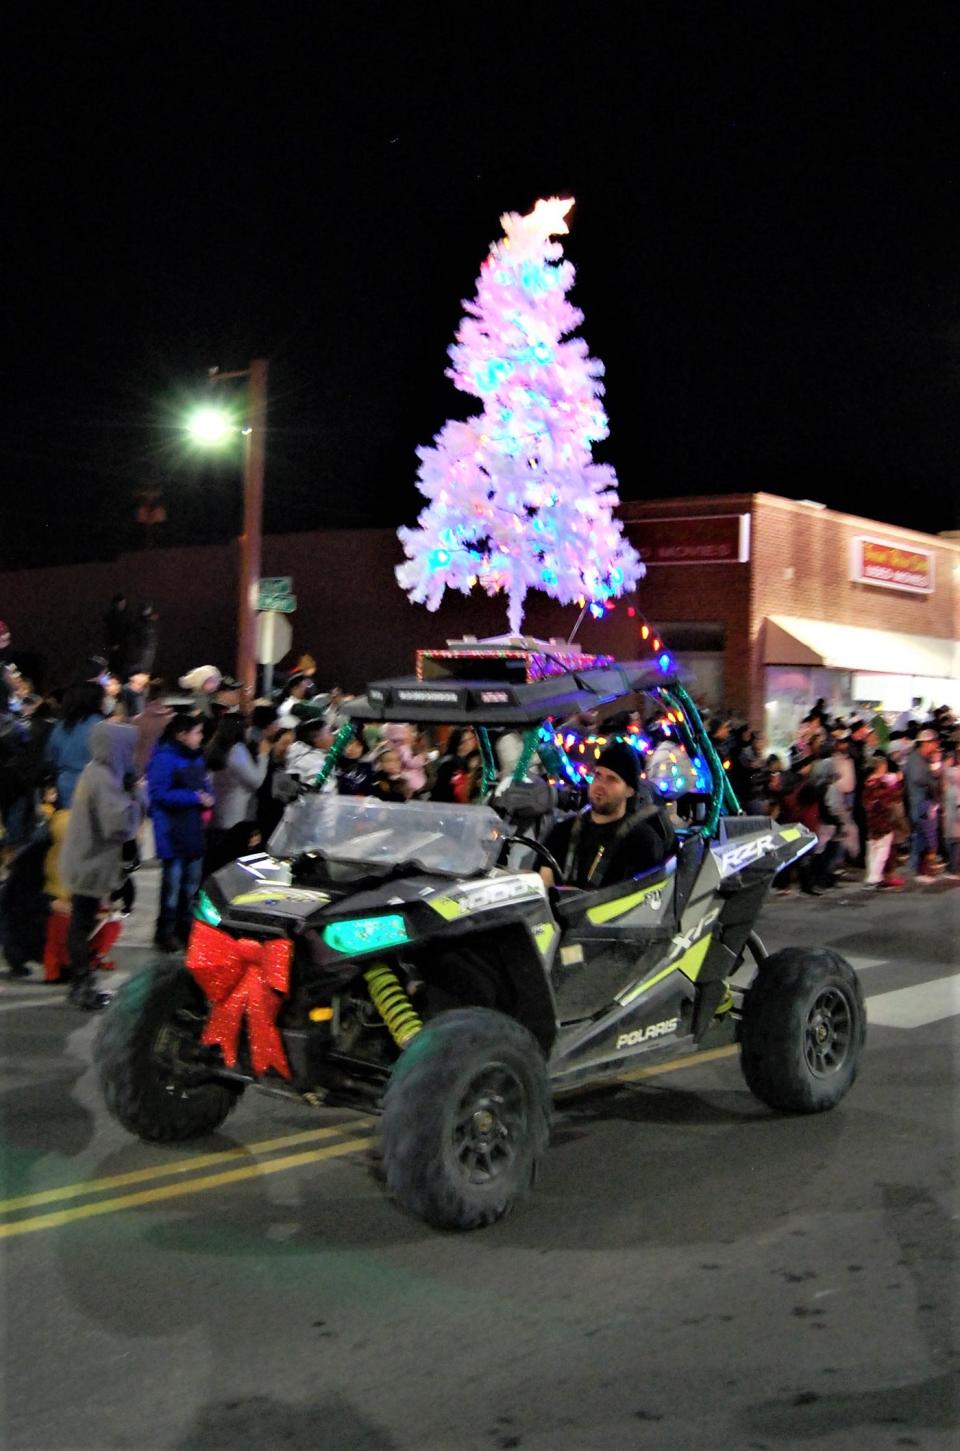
{"x":802,"y":1030}
{"x":466,"y":1119}
{"x":139,"y":1090}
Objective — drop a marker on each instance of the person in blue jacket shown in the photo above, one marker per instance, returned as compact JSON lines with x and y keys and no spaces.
{"x":68,"y":745}
{"x":180,"y":793}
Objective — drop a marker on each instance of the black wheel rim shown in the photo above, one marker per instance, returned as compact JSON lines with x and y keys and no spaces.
{"x":489,"y":1126}
{"x":163,"y":1052}
{"x":828,"y":1033}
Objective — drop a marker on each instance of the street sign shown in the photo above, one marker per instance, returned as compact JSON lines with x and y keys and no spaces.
{"x":274,"y":637}
{"x":271,"y":592}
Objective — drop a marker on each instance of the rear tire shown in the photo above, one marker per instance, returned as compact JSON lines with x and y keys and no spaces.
{"x":139,"y":1089}
{"x":802,"y":1030}
{"x":466,"y":1119}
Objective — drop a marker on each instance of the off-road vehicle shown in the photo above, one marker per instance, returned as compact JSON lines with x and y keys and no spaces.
{"x":407,"y":958}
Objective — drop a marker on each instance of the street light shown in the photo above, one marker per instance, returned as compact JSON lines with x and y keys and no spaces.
{"x":212,"y":427}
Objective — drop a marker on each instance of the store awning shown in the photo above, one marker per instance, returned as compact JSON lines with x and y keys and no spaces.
{"x":791,"y":640}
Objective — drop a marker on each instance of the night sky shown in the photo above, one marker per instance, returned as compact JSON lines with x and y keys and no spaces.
{"x":765,"y":237}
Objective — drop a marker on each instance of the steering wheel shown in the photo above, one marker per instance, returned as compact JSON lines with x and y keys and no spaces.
{"x":547,"y":857}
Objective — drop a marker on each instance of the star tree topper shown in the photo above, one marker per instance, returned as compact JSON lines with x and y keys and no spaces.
{"x":516,"y":501}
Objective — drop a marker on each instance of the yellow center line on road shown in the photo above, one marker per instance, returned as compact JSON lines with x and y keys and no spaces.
{"x":179,"y":1166}
{"x":259,"y":1169}
{"x":173,"y":1191}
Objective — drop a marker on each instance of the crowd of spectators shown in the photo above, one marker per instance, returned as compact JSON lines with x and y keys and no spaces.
{"x":880,"y":794}
{"x":215,"y":777}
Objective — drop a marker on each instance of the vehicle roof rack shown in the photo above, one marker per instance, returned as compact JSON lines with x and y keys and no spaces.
{"x":506,"y":703}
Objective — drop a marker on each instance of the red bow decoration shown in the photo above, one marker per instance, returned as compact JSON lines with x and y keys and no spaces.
{"x":242,"y":977}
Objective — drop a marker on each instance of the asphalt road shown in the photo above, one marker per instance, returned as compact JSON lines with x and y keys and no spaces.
{"x":693,"y":1270}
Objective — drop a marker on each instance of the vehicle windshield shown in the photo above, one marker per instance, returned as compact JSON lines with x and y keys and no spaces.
{"x":451,"y":840}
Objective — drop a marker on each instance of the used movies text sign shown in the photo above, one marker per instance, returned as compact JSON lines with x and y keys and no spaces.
{"x":891,"y":566}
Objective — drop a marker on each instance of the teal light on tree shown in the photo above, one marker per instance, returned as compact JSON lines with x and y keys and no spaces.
{"x":515,"y":499}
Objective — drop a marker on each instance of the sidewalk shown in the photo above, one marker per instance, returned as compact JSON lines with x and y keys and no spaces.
{"x":135,"y":947}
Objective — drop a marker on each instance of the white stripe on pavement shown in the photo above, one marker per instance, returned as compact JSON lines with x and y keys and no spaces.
{"x":860,"y":964}
{"x":914,"y":1007}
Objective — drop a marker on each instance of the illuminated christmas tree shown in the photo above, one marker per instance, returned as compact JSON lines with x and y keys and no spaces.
{"x":516,"y":501}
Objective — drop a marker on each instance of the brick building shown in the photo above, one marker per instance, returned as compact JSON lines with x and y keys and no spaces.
{"x":774,"y":603}
{"x":767,"y":602}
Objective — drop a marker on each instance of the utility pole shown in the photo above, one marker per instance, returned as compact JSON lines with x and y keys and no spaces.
{"x":255,"y":430}
{"x":212,"y":427}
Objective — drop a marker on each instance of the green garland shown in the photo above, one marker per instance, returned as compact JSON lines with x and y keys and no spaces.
{"x":333,"y":755}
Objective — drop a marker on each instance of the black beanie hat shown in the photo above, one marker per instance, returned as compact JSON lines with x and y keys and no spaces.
{"x":620,"y":759}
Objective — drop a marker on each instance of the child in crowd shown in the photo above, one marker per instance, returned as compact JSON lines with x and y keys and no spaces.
{"x":459,"y":775}
{"x":413,"y":763}
{"x":180,"y":793}
{"x":107,"y":808}
{"x":355,"y":776}
{"x":308,"y":753}
{"x":389,"y":782}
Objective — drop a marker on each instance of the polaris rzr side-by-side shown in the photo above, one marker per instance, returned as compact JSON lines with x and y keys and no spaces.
{"x":408,"y":959}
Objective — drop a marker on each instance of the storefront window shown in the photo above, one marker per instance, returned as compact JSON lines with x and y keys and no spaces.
{"x":789,"y":693}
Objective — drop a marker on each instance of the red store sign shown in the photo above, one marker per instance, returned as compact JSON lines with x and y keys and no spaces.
{"x":891,"y":566}
{"x":701,"y":539}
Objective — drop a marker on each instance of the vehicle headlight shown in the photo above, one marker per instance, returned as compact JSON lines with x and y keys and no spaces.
{"x":366,"y":934}
{"x":205,"y":911}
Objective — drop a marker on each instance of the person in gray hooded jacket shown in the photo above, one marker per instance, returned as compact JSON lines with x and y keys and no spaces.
{"x":108,"y":806}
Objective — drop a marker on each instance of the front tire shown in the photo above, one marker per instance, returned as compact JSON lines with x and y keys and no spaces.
{"x":466,"y":1119}
{"x":802,"y":1030}
{"x":140,"y":1085}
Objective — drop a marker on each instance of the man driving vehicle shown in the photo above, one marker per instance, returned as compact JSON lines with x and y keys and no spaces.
{"x":613,"y":840}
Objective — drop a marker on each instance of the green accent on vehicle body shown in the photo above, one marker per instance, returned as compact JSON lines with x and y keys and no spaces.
{"x":790,"y":833}
{"x":276,"y":895}
{"x":726,"y":1003}
{"x":205,"y":911}
{"x":692,"y":960}
{"x":689,"y":964}
{"x":366,"y":934}
{"x":544,"y":935}
{"x":607,"y":911}
{"x":633,"y":993}
{"x":448,"y":909}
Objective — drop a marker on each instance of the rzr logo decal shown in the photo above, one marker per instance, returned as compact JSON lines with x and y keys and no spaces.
{"x":737,"y":854}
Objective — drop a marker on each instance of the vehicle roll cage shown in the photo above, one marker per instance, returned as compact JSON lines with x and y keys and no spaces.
{"x":539,"y":741}
{"x":386,"y":701}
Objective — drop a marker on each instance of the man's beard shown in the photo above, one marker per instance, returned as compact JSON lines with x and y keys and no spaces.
{"x":604,"y":808}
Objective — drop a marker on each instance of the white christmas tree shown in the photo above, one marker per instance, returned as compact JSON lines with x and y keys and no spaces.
{"x":516,"y":501}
